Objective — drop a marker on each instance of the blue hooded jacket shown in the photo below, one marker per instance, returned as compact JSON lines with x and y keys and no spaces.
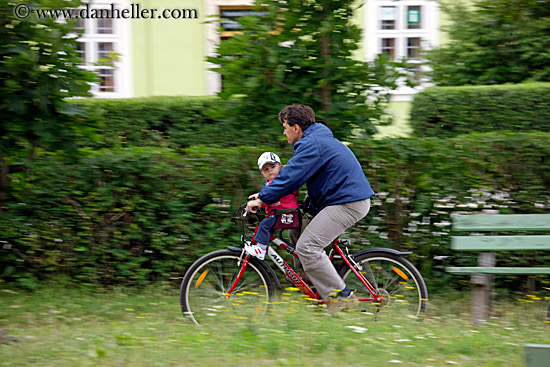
{"x":330,"y":169}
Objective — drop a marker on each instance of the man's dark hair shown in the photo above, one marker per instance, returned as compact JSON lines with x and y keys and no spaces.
{"x":297,"y":114}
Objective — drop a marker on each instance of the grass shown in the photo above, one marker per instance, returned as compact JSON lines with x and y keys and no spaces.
{"x":78,"y":327}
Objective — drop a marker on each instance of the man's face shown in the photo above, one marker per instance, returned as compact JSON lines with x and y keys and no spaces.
{"x":271,"y":170}
{"x":293,"y":133}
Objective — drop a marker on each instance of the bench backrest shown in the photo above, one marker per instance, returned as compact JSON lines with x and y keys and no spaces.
{"x":501,"y":222}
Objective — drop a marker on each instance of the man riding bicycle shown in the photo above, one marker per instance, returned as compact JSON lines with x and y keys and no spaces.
{"x":337,"y":187}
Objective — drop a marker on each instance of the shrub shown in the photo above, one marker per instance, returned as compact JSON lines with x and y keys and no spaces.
{"x":421,"y":182}
{"x":449,"y":111}
{"x":128,"y":215}
{"x":173,"y":122}
{"x":134,"y":215}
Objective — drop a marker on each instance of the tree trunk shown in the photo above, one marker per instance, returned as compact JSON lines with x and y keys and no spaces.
{"x":4,"y":169}
{"x":326,"y":95}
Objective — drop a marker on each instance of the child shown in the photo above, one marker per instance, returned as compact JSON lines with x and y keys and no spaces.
{"x":270,"y":165}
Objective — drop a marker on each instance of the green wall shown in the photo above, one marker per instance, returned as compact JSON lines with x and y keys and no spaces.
{"x":399,"y":112}
{"x":359,"y":19}
{"x":179,"y":45}
{"x":176,"y":45}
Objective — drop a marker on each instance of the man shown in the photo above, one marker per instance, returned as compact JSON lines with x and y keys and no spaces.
{"x":337,"y":187}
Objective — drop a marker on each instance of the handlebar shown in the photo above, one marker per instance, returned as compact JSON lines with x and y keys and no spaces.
{"x":255,"y":208}
{"x":245,"y":222}
{"x":247,"y":213}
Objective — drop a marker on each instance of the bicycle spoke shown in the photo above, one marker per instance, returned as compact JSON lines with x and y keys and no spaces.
{"x":372,"y":279}
{"x":221,"y":274}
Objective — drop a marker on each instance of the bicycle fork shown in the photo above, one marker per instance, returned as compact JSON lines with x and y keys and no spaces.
{"x":243,"y":266}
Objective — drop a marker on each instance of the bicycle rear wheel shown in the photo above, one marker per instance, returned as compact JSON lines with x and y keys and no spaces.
{"x":399,"y":283}
{"x":204,"y":287}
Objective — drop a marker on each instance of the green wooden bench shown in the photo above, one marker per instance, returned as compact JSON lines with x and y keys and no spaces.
{"x":482,"y":275}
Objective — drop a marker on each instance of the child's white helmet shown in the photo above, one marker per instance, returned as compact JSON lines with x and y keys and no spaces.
{"x":268,"y":157}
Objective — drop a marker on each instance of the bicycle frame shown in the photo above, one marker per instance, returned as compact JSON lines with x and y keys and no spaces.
{"x":296,"y":279}
{"x":222,"y":280}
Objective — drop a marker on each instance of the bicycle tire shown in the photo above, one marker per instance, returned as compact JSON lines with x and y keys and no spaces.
{"x":203,"y":289}
{"x":403,"y":289}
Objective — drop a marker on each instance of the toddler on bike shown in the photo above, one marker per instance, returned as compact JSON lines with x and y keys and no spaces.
{"x":270,"y":165}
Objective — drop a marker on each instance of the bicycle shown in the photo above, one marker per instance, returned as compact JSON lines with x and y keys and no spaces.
{"x":231,"y":283}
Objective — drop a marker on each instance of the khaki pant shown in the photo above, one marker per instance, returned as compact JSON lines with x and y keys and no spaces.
{"x":330,"y":223}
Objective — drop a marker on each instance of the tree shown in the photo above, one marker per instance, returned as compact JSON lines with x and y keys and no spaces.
{"x":303,"y":52}
{"x":38,"y":72}
{"x":494,"y":42}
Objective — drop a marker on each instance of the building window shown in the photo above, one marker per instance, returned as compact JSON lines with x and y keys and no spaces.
{"x":413,"y":48}
{"x":402,"y":30}
{"x":414,"y":18}
{"x":105,"y":25}
{"x":387,"y":17}
{"x":104,"y":50}
{"x":107,"y":76}
{"x":388,"y":47}
{"x":96,"y":46}
{"x":229,"y":18}
{"x":81,"y":50}
{"x":81,"y":25}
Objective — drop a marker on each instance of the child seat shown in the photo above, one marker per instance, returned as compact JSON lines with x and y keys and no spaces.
{"x":287,"y":219}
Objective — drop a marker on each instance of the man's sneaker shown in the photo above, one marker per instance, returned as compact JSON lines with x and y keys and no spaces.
{"x":341,"y":303}
{"x":255,"y":250}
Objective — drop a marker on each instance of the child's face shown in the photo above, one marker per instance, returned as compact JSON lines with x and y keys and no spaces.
{"x":271,"y":170}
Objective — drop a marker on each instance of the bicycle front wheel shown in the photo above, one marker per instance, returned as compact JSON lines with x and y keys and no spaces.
{"x":203,"y":293}
{"x":400,"y":284}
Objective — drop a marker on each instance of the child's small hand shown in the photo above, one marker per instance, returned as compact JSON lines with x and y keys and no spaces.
{"x":253,"y":205}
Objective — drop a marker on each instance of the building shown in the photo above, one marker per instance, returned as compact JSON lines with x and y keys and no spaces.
{"x":162,"y":44}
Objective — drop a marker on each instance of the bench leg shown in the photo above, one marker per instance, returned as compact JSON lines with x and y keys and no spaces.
{"x":483,"y":283}
{"x":481,"y":302}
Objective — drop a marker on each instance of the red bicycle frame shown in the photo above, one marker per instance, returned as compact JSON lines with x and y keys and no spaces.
{"x":297,"y":280}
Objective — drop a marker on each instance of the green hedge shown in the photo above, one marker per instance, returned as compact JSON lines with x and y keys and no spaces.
{"x":449,"y":111}
{"x":422,"y":182}
{"x":174,"y":122}
{"x":134,"y":215}
{"x":128,"y":215}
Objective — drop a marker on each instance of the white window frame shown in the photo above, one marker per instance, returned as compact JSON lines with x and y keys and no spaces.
{"x":406,"y":17}
{"x":381,"y":17}
{"x":395,"y":46}
{"x":120,"y":39}
{"x":428,"y":34}
{"x":407,"y":47}
{"x":212,"y":7}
